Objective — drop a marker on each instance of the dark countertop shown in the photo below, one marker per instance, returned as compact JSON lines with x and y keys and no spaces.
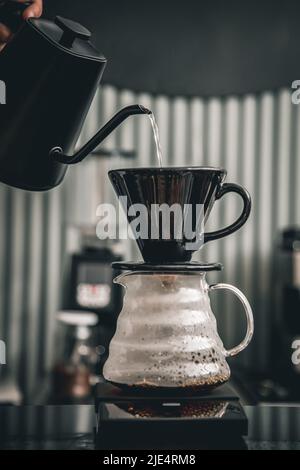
{"x":71,"y":427}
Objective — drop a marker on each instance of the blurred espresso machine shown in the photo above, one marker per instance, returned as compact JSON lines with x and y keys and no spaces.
{"x":89,"y":279}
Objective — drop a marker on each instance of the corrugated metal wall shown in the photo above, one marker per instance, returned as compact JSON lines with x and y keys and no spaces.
{"x":256,"y":138}
{"x":31,"y":246}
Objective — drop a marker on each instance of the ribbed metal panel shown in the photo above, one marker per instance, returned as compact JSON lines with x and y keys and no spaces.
{"x":279,"y":425}
{"x":256,"y":138}
{"x":31,"y":263}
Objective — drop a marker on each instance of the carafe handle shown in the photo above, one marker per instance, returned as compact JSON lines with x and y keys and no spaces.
{"x":249,"y":317}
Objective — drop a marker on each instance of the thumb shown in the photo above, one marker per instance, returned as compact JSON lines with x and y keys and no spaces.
{"x":35,"y":10}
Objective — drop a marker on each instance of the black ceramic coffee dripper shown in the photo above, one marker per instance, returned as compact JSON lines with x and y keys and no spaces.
{"x":183,"y":186}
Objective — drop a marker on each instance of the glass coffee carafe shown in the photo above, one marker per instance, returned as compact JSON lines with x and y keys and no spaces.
{"x":167,"y":335}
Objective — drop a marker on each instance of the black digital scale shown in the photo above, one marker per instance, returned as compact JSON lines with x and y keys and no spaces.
{"x":128,"y":419}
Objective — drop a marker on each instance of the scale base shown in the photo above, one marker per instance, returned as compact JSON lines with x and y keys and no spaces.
{"x":127,"y":420}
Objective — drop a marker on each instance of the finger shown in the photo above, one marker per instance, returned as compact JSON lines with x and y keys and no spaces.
{"x":5,"y":33}
{"x":35,"y":10}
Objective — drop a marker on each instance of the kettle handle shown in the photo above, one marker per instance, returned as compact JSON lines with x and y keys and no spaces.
{"x":249,"y":316}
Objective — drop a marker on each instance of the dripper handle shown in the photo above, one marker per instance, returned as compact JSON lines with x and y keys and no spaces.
{"x":223,"y":232}
{"x":249,"y":316}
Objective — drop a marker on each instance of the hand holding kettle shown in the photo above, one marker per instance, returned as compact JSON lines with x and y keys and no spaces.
{"x":40,"y":123}
{"x":31,"y":9}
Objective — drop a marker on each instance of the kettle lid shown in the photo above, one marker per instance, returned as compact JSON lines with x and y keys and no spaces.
{"x":69,"y":35}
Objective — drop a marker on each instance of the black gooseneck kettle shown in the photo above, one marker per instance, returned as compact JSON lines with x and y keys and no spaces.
{"x":51,"y":72}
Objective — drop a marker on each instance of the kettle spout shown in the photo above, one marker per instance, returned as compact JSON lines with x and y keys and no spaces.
{"x":58,"y":154}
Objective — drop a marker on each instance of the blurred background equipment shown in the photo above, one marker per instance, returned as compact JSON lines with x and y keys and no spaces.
{"x":89,"y":278}
{"x":91,"y":282}
{"x":78,"y":358}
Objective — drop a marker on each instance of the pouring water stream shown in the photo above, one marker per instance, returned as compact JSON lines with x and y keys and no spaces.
{"x":156,"y":139}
